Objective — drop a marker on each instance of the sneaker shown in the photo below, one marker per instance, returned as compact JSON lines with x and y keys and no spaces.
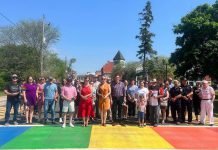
{"x":15,"y":123}
{"x":64,"y":125}
{"x":178,"y":123}
{"x":211,"y":125}
{"x":71,"y":125}
{"x":60,"y":120}
{"x":155,"y":125}
{"x":7,"y":124}
{"x":163,"y":122}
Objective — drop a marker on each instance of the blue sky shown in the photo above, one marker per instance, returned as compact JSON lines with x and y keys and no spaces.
{"x":92,"y":31}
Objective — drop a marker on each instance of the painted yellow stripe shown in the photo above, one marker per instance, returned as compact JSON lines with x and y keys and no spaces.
{"x":126,"y":137}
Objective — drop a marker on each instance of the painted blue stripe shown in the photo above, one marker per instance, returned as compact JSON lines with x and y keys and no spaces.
{"x":8,"y":133}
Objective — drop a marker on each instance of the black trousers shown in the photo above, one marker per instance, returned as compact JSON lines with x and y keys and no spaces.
{"x":176,"y":110}
{"x":60,"y":107}
{"x":197,"y":106}
{"x":186,"y":105}
{"x":131,"y":108}
{"x":117,"y":107}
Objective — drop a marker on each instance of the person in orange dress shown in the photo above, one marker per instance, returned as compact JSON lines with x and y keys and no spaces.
{"x":104,"y":91}
{"x":85,"y":110}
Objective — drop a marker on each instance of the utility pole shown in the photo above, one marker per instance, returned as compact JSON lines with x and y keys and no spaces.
{"x":42,"y":46}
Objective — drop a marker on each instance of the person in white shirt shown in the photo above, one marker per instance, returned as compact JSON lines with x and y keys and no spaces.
{"x":142,"y":90}
{"x":207,"y":96}
{"x":154,"y":104}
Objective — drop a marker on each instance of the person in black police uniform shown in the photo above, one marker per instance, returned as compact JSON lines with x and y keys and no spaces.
{"x":175,"y":98}
{"x":186,"y":100}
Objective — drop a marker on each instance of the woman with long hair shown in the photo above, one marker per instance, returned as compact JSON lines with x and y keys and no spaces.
{"x":30,"y":95}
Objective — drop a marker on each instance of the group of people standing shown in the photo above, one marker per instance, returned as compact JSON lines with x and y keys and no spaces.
{"x":116,"y":99}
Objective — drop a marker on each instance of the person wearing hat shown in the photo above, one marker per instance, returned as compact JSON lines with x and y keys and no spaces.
{"x":207,"y":95}
{"x":186,"y":100}
{"x":13,"y":92}
{"x":154,"y":96}
{"x":175,"y":98}
{"x":50,"y":92}
{"x":69,"y":94}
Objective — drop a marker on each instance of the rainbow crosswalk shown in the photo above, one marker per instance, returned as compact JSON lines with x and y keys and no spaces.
{"x":98,"y":137}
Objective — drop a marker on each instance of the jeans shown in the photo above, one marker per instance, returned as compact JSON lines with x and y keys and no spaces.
{"x":9,"y":104}
{"x":154,"y":114}
{"x":49,"y":103}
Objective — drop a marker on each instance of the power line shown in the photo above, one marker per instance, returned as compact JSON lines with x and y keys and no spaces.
{"x":6,"y":18}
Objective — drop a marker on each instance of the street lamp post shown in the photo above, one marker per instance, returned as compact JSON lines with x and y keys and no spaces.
{"x":42,"y":46}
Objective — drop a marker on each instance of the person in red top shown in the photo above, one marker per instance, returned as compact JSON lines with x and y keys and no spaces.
{"x":85,"y":105}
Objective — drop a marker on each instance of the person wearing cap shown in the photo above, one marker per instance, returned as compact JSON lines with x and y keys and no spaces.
{"x":175,"y":98}
{"x":207,"y":95}
{"x":69,"y":94}
{"x":104,"y":91}
{"x":50,"y":96}
{"x":186,"y":100}
{"x":154,"y":96}
{"x":13,"y":92}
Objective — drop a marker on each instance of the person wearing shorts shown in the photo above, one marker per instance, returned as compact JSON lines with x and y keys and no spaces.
{"x":69,"y":94}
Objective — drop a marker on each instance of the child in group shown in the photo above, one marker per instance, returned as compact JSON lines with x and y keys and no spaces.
{"x":141,"y":106}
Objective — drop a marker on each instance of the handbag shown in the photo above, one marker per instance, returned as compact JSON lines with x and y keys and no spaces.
{"x":163,"y":103}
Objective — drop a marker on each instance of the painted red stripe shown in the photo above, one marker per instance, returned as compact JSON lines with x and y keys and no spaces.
{"x":190,"y":138}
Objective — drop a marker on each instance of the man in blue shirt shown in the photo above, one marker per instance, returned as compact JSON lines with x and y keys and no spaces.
{"x":50,"y":96}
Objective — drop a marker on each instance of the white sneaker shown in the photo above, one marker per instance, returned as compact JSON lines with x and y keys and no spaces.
{"x":71,"y":125}
{"x":64,"y":125}
{"x":60,"y":120}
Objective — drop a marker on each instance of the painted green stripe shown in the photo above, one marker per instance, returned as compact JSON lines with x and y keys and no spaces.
{"x":51,"y":137}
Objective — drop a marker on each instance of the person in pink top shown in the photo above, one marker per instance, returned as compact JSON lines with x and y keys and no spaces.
{"x":69,"y":94}
{"x":40,"y":100}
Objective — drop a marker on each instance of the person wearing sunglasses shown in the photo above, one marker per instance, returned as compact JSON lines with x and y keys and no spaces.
{"x":13,"y":91}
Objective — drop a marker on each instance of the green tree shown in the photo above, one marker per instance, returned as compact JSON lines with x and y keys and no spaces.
{"x":130,"y":70}
{"x":160,"y":68}
{"x":197,"y":41}
{"x":21,"y":60}
{"x":32,"y":33}
{"x":54,"y":66}
{"x":145,"y":48}
{"x":118,"y":69}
